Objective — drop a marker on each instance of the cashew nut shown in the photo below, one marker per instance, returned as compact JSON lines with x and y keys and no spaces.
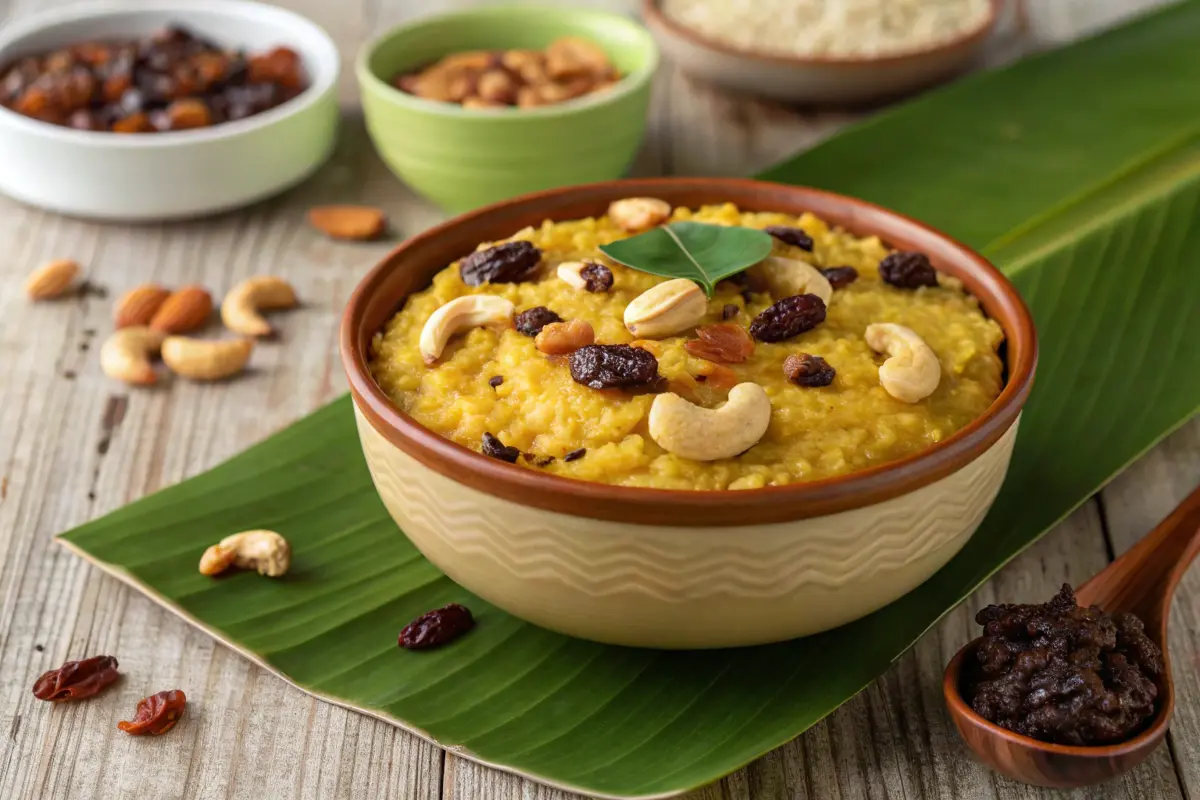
{"x":460,"y":314}
{"x":265,"y":551}
{"x":912,"y":371}
{"x":635,"y":214}
{"x":666,"y":309}
{"x":125,"y":355}
{"x":786,"y":277}
{"x":239,"y":310}
{"x":206,"y":360}
{"x":704,"y":434}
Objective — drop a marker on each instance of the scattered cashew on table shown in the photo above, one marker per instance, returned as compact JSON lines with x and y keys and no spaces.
{"x":708,"y":434}
{"x":912,"y":372}
{"x":240,"y":308}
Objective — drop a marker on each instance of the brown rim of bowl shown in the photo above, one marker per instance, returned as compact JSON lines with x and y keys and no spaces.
{"x":381,"y":293}
{"x":654,"y":16}
{"x":959,"y":709}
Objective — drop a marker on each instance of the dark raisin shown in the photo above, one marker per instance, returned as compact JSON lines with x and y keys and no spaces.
{"x":544,"y":462}
{"x":840,"y":276}
{"x":510,"y":262}
{"x":495,"y":381}
{"x":575,"y":455}
{"x":908,"y":270}
{"x":496,"y":449}
{"x":531,"y":321}
{"x":808,"y":370}
{"x":729,"y":311}
{"x":790,"y":317}
{"x":613,"y":366}
{"x":597,"y":277}
{"x":436,"y":628}
{"x":793,"y":236}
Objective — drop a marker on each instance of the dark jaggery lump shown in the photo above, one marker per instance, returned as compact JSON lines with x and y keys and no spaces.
{"x":1062,"y":673}
{"x":510,"y":262}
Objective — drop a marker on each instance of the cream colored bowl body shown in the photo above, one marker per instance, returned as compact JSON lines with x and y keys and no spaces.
{"x":158,"y":176}
{"x":675,"y":587}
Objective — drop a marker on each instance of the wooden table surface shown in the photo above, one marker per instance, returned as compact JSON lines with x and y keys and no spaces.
{"x":74,"y":445}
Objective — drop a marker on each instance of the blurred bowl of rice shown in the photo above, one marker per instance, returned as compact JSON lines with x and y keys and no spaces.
{"x":839,"y":52}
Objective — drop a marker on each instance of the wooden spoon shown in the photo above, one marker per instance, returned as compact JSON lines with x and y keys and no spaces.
{"x":1141,"y":582}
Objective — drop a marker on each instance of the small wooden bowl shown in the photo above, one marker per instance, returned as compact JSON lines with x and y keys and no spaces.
{"x":838,"y":80}
{"x":1042,"y":763}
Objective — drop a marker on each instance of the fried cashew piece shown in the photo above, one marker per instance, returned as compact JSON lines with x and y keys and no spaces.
{"x":787,"y":277}
{"x":708,"y":434}
{"x":126,"y":354}
{"x":666,"y":309}
{"x":264,"y":551}
{"x":636,"y":214}
{"x":912,"y":372}
{"x":460,"y":314}
{"x":240,"y":308}
{"x":206,"y":360}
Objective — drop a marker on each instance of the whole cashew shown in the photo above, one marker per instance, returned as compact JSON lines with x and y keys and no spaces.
{"x":666,"y":309}
{"x":460,"y":314}
{"x":912,"y":372}
{"x":265,"y":551}
{"x":206,"y":360}
{"x":239,"y":310}
{"x":635,"y":214}
{"x":125,"y":355}
{"x":704,"y":434}
{"x":786,"y":277}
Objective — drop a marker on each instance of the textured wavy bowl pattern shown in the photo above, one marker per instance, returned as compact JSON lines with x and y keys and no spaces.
{"x":664,"y":586}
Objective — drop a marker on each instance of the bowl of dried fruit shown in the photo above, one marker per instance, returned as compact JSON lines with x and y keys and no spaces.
{"x":163,"y":109}
{"x":687,"y":412}
{"x":480,"y":105}
{"x":839,"y":52}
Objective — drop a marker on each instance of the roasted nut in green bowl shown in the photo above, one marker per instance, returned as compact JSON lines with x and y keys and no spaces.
{"x":615,"y":452}
{"x":464,"y":157}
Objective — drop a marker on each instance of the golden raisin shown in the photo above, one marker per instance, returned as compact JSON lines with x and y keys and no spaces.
{"x":724,"y":342}
{"x":559,"y":338}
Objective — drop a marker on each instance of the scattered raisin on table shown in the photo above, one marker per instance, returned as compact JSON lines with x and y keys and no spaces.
{"x":613,"y":366}
{"x":156,"y":714}
{"x":597,"y":277}
{"x":575,"y":455}
{"x":511,"y":262}
{"x":726,"y":343}
{"x":790,"y":317}
{"x":840,"y":276}
{"x":436,"y":628}
{"x":793,"y":236}
{"x":804,"y":369}
{"x":1062,"y":673}
{"x":76,"y":680}
{"x":531,"y":321}
{"x":495,"y":381}
{"x":729,"y":311}
{"x":908,"y":270}
{"x":495,"y":448}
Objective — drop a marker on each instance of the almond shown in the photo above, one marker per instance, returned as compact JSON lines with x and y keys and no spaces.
{"x":51,"y":279}
{"x":348,"y":222}
{"x":183,"y":310}
{"x":139,"y":304}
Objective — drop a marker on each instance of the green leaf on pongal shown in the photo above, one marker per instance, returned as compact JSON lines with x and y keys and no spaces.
{"x":695,"y":250}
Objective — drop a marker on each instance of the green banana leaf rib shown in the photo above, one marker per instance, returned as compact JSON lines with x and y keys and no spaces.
{"x":1078,"y":172}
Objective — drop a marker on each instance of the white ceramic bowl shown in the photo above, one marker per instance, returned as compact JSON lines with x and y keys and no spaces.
{"x":140,"y":177}
{"x":824,"y":80}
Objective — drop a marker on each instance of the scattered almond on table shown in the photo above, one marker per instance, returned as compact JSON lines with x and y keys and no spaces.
{"x":52,"y":279}
{"x":139,"y":305}
{"x":359,"y":223}
{"x":183,"y":310}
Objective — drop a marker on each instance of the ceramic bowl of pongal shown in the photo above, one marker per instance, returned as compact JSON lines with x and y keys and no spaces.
{"x":616,"y":455}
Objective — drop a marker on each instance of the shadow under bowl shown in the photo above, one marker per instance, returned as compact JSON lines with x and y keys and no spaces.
{"x":671,"y":568}
{"x":1041,"y":763}
{"x":462,"y":158}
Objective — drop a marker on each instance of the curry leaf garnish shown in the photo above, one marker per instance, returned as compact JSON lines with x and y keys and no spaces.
{"x":704,"y":253}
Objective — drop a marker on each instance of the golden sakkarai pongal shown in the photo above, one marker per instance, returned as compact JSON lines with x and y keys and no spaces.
{"x":826,"y":354}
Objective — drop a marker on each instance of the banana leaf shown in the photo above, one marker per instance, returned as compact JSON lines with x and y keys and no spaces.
{"x":1078,"y":172}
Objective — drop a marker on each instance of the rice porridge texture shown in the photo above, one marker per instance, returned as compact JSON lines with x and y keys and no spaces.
{"x":494,"y":380}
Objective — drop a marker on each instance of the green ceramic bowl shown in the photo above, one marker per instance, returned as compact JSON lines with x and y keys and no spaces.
{"x":464,"y":158}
